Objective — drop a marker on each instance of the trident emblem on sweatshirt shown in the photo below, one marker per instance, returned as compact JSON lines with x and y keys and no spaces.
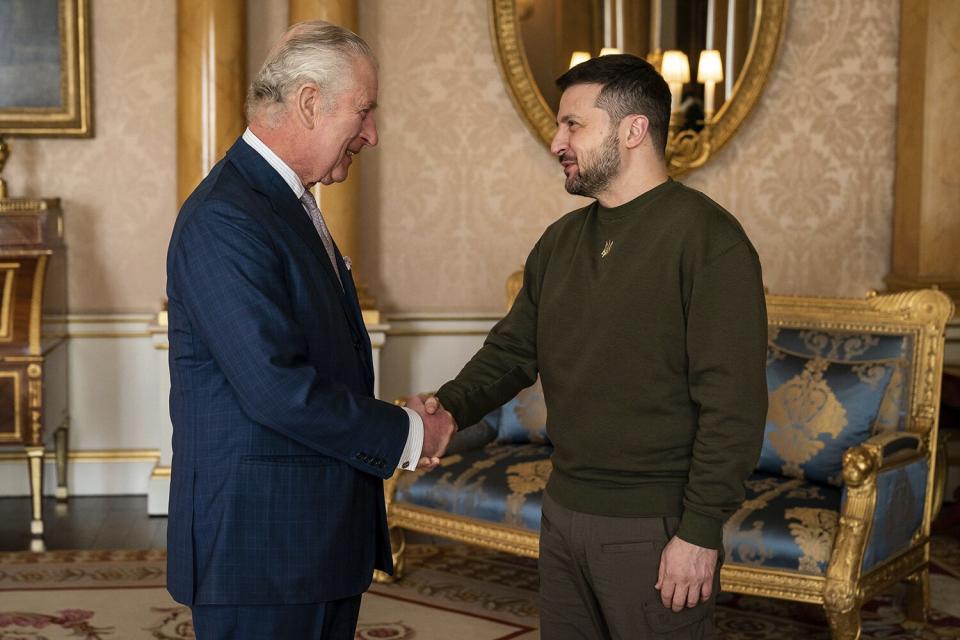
{"x":606,"y":248}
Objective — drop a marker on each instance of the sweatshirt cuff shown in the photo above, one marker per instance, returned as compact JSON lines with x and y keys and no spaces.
{"x":700,"y":530}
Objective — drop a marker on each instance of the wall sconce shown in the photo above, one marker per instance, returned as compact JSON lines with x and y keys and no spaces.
{"x":709,"y":72}
{"x":675,"y":69}
{"x":689,"y":148}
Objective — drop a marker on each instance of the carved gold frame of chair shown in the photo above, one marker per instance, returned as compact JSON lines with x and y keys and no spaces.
{"x":844,"y":588}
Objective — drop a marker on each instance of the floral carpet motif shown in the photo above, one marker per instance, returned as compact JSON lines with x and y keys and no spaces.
{"x":449,"y":591}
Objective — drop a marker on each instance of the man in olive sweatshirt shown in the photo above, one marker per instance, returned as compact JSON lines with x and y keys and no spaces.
{"x":644,"y":315}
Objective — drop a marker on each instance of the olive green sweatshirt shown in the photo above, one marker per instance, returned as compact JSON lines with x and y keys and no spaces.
{"x":647,"y":325}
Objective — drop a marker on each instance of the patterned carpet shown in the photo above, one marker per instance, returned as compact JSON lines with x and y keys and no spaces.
{"x":450,"y":591}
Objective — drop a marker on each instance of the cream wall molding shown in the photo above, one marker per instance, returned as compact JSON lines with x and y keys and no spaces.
{"x":93,"y":455}
{"x":101,"y":318}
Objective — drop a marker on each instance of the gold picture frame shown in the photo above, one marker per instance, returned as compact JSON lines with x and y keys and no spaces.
{"x":45,"y":92}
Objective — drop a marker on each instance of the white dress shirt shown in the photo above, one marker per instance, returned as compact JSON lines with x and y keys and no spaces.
{"x":414,"y":446}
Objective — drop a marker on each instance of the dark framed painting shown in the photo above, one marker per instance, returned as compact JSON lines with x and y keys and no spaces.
{"x":45,"y":68}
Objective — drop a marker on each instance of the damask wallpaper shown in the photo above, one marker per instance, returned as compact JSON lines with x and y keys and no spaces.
{"x":458,"y":190}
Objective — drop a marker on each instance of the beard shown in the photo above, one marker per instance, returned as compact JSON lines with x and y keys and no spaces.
{"x":596,"y":170}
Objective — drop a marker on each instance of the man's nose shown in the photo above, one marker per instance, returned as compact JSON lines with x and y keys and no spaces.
{"x":558,"y":145}
{"x":369,"y":132}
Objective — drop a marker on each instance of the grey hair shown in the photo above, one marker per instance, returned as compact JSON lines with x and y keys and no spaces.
{"x":309,"y":52}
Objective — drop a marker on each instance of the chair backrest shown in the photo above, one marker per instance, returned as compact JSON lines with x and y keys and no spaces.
{"x":830,"y":389}
{"x":905,"y":330}
{"x":882,"y":355}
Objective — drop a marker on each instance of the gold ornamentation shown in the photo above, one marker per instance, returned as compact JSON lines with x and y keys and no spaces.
{"x":606,"y":248}
{"x":813,"y":532}
{"x":851,"y":345}
{"x":803,"y":409}
{"x":9,"y":270}
{"x":869,"y":373}
{"x":523,"y":479}
{"x":531,"y":411}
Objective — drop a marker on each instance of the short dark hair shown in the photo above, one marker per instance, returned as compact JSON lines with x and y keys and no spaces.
{"x":631,"y":85}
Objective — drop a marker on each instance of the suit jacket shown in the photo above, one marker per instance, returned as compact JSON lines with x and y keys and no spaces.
{"x":279,"y":448}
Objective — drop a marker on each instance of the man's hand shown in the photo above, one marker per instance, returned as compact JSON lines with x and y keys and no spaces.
{"x":438,"y":427}
{"x":686,"y":574}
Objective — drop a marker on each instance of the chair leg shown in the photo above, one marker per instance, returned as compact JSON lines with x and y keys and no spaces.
{"x":398,"y":544}
{"x":35,"y":466}
{"x":63,"y":449}
{"x":917,"y":601}
{"x":844,"y":625}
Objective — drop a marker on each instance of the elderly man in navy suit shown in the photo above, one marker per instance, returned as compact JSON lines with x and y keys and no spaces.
{"x":277,"y":517}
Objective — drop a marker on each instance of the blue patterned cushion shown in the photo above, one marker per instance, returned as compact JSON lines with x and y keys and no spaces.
{"x":785,"y":523}
{"x":839,"y":346}
{"x":818,"y":408}
{"x":499,"y":483}
{"x":901,"y":497}
{"x":523,"y":420}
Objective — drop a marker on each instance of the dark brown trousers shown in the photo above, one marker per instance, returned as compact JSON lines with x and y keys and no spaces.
{"x":597,"y":577}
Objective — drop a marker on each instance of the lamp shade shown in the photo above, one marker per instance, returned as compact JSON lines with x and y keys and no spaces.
{"x":577,"y":57}
{"x":675,"y":67}
{"x":710,"y":68}
{"x":606,"y":51}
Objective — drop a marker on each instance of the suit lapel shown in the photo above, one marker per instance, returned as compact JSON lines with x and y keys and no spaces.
{"x":267,"y":181}
{"x":353,"y":300}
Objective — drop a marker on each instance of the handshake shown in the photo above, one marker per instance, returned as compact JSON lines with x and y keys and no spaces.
{"x":438,"y":427}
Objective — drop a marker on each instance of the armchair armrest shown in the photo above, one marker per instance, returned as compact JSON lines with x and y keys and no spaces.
{"x":863,"y":462}
{"x":881,"y":513}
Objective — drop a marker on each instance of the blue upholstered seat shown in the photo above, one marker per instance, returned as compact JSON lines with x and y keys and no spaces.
{"x":784,"y":523}
{"x":502,"y":484}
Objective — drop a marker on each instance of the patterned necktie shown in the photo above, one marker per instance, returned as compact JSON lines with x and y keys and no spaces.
{"x":317,"y":218}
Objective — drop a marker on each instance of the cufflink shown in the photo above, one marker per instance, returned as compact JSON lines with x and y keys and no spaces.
{"x":405,"y":465}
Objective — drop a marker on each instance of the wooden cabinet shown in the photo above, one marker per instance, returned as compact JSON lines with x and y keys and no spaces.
{"x":33,"y":350}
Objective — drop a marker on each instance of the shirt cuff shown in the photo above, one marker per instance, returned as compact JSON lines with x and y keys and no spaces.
{"x":411,"y":451}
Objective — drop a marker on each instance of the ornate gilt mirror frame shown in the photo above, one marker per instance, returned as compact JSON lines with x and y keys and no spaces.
{"x":540,"y":118}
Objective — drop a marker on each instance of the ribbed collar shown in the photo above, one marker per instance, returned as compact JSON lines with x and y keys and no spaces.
{"x":637,"y":204}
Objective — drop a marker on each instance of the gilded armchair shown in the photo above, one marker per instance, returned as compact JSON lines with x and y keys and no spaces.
{"x":854,"y":433}
{"x":840,"y":505}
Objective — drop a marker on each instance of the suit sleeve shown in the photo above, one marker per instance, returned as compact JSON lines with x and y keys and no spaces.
{"x":230,"y":278}
{"x":507,"y":362}
{"x":726,"y":358}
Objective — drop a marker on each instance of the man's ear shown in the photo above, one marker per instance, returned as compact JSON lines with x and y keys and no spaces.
{"x":638,"y":129}
{"x":308,"y":104}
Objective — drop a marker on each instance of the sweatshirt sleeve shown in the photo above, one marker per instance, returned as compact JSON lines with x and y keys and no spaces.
{"x":726,"y":351}
{"x":507,"y":362}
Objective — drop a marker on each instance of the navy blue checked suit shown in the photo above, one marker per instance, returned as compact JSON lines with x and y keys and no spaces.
{"x":279,"y":448}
